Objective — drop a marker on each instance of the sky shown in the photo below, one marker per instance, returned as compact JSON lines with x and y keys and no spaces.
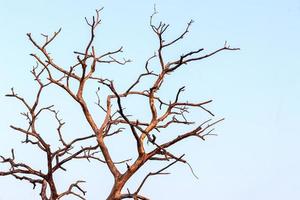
{"x":257,"y":89}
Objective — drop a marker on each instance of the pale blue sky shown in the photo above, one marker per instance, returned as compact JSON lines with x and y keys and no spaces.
{"x":257,"y":90}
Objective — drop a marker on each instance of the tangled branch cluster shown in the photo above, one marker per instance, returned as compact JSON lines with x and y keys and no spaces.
{"x":163,"y":114}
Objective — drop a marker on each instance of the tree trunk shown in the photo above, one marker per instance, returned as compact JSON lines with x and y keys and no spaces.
{"x":115,"y":193}
{"x":53,"y":190}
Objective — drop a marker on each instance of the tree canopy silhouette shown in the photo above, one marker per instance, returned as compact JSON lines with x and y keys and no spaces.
{"x":117,"y":120}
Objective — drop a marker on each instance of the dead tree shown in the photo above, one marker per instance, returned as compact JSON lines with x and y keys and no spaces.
{"x":163,"y":114}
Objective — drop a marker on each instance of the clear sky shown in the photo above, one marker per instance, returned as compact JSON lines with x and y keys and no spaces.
{"x":257,"y":90}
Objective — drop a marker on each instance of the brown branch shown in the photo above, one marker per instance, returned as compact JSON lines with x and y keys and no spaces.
{"x":195,"y":132}
{"x":181,"y":36}
{"x":13,"y":94}
{"x":159,"y":172}
{"x":49,"y":59}
{"x":138,"y":141}
{"x":184,"y":59}
{"x":71,"y":192}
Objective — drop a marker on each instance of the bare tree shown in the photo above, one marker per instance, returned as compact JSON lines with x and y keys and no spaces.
{"x":117,"y":120}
